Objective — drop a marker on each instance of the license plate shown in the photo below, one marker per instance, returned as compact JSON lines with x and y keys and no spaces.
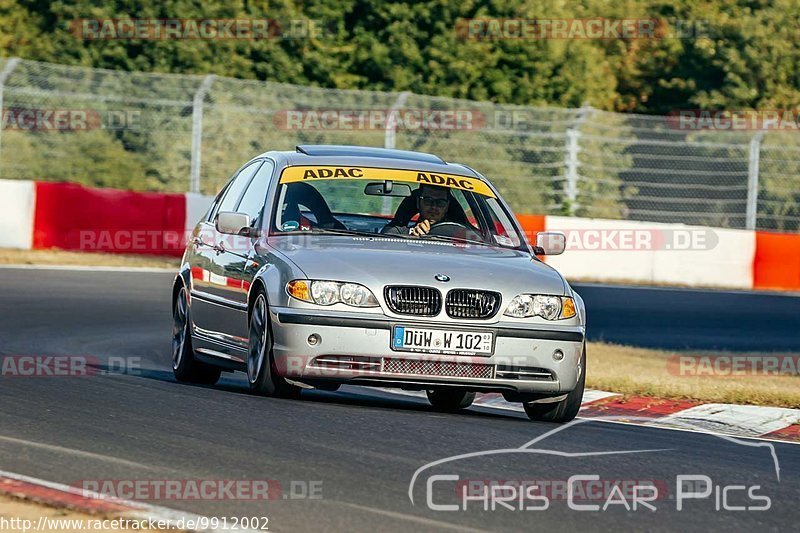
{"x":412,"y":339}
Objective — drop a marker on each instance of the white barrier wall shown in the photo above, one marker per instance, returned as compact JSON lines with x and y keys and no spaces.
{"x":17,"y":203}
{"x":647,"y":252}
{"x":597,"y":249}
{"x":196,"y":206}
{"x":728,"y":263}
{"x":588,"y":257}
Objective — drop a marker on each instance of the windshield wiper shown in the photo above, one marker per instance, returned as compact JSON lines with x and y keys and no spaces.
{"x":454,"y":240}
{"x":333,"y":231}
{"x":408,"y":236}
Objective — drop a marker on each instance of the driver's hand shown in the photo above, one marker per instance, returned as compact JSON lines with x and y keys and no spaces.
{"x":421,"y":228}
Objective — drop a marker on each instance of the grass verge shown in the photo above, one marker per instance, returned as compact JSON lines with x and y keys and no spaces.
{"x":63,"y":257}
{"x":647,"y":372}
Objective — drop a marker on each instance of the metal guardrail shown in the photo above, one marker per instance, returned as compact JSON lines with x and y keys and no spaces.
{"x":168,"y":132}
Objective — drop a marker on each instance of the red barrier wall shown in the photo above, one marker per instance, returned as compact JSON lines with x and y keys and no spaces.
{"x":74,"y":217}
{"x":777,"y":261}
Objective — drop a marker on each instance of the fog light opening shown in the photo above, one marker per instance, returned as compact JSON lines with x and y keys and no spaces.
{"x":558,"y":355}
{"x":314,"y":339}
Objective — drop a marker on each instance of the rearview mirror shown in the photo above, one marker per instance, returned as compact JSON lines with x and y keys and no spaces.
{"x":387,"y":188}
{"x":550,"y":243}
{"x":232,"y":223}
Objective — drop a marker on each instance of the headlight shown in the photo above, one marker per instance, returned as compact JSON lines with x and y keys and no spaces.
{"x":331,"y":292}
{"x":547,"y":307}
{"x":356,"y":295}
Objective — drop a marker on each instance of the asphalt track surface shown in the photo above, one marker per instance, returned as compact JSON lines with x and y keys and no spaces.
{"x":692,"y":319}
{"x":363,"y":446}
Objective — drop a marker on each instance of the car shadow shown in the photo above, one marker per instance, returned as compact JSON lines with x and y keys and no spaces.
{"x":350,"y":395}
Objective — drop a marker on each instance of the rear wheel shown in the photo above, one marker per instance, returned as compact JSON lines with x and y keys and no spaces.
{"x":563,"y":410}
{"x":184,"y":366}
{"x":450,"y":399}
{"x":261,"y":373}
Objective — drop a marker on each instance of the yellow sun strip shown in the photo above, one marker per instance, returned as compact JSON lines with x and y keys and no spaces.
{"x":308,"y":174}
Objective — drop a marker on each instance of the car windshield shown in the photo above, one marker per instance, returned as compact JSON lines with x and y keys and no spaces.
{"x":390,"y":202}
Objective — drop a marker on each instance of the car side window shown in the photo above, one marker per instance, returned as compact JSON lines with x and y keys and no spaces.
{"x":236,"y":188}
{"x":505,"y":234}
{"x":256,"y":194}
{"x":465,"y":206}
{"x":212,"y":211}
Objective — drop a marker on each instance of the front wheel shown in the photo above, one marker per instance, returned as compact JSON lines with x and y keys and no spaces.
{"x":261,"y":374}
{"x":184,"y":366}
{"x":450,"y":400}
{"x":564,"y":410}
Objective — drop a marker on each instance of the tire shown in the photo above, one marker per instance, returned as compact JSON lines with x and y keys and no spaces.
{"x":450,"y":400}
{"x":261,"y":374}
{"x":185,"y":367}
{"x":566,"y":409}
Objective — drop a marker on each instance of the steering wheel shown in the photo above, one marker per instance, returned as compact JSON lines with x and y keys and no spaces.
{"x":454,"y":229}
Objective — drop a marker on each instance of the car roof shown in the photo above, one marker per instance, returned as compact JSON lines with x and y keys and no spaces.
{"x":367,"y":151}
{"x":342,"y":155}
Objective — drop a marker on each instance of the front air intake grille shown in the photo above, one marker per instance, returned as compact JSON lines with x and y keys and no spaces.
{"x":348,"y":362}
{"x":524,"y":373}
{"x":469,"y":303}
{"x":417,"y":301}
{"x":438,"y":368}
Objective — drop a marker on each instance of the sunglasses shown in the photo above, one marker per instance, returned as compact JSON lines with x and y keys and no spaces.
{"x":434,"y":202}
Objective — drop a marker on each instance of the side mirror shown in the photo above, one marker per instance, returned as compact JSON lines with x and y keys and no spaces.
{"x":232,"y":223}
{"x":550,"y":243}
{"x":387,"y":188}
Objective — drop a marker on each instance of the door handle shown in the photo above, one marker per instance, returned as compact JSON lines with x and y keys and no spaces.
{"x":219,"y":248}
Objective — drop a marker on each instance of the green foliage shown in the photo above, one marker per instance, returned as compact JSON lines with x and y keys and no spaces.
{"x":743,"y":54}
{"x":739,"y":54}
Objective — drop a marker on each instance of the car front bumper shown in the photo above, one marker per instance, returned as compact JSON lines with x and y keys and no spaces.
{"x":355,"y":348}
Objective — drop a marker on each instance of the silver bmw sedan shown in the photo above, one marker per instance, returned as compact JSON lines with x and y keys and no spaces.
{"x":388,"y":268}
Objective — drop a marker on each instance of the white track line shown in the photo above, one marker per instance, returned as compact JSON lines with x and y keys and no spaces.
{"x":689,"y":430}
{"x":591,"y":395}
{"x":745,"y":421}
{"x":71,"y":451}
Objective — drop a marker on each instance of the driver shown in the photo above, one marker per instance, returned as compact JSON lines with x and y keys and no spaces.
{"x":433,"y":203}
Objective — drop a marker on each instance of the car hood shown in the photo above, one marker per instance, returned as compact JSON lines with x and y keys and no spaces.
{"x":376,"y":262}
